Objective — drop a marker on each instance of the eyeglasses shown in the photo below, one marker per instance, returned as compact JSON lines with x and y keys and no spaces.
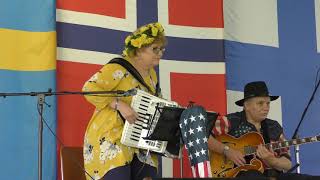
{"x":157,"y":50}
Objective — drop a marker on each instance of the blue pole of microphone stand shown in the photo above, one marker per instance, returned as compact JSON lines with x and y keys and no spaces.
{"x":41,"y":98}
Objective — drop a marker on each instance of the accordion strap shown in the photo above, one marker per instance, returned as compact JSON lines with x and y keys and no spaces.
{"x":128,"y":66}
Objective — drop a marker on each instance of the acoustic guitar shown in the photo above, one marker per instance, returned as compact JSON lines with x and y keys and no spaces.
{"x":247,"y":144}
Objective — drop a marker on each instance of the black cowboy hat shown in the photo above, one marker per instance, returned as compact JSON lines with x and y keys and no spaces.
{"x":255,"y":89}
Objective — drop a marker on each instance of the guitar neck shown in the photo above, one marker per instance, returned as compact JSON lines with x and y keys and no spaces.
{"x":249,"y":150}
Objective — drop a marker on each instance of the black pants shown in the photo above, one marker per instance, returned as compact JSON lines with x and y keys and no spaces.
{"x":251,"y":173}
{"x":136,"y":170}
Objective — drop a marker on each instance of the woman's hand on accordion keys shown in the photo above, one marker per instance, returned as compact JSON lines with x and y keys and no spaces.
{"x":127,"y":112}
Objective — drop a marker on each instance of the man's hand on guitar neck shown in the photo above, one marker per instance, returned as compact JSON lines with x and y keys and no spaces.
{"x":265,"y":154}
{"x":269,"y":158}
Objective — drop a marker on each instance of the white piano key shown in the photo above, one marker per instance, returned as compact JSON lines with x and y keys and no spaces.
{"x":145,"y":105}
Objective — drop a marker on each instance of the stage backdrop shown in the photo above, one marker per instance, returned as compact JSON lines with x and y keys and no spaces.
{"x":90,"y":33}
{"x":278,"y":42}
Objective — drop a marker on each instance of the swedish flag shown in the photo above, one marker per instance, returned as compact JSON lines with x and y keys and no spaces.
{"x":27,"y":64}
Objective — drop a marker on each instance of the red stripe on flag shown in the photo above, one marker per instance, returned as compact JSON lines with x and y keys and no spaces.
{"x":207,"y":90}
{"x":227,"y":125}
{"x":73,"y":112}
{"x":202,"y":170}
{"x":222,"y":126}
{"x":185,"y":165}
{"x":215,"y":132}
{"x":205,"y":169}
{"x":114,"y":8}
{"x":204,"y":13}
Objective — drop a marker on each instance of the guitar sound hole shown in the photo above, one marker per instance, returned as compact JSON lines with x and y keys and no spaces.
{"x":248,"y":158}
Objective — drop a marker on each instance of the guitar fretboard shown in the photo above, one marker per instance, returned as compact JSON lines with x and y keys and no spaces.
{"x":249,"y":150}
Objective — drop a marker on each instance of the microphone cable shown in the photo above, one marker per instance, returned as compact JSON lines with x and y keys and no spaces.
{"x":59,"y":140}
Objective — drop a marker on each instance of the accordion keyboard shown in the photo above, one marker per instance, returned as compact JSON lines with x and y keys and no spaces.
{"x":133,"y":134}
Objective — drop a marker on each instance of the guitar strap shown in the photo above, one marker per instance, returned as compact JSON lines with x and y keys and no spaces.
{"x":128,"y":66}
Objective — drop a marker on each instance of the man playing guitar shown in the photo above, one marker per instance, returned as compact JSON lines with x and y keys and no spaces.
{"x":227,"y":154}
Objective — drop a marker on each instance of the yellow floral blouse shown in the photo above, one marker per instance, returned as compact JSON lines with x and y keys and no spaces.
{"x":102,"y":148}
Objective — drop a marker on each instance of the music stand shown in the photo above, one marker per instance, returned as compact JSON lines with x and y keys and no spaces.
{"x":167,"y":129}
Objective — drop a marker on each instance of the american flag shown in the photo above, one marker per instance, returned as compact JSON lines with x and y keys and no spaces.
{"x":193,"y":123}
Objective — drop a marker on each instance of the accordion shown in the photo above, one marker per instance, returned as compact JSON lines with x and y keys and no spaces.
{"x":157,"y":127}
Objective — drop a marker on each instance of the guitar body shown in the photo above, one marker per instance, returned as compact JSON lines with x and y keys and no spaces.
{"x":223,"y":167}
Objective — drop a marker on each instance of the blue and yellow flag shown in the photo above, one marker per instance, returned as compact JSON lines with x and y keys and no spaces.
{"x":27,"y":64}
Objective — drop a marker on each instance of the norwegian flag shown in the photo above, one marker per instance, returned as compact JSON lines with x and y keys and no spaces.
{"x":90,"y":33}
{"x":193,"y":123}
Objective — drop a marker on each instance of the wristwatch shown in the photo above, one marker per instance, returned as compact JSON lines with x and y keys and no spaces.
{"x":225,"y":149}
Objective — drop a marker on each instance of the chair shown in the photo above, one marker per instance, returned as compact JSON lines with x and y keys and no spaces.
{"x":72,"y":163}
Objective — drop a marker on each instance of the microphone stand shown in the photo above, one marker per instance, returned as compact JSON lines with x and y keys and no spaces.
{"x":41,"y":100}
{"x":295,"y":134}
